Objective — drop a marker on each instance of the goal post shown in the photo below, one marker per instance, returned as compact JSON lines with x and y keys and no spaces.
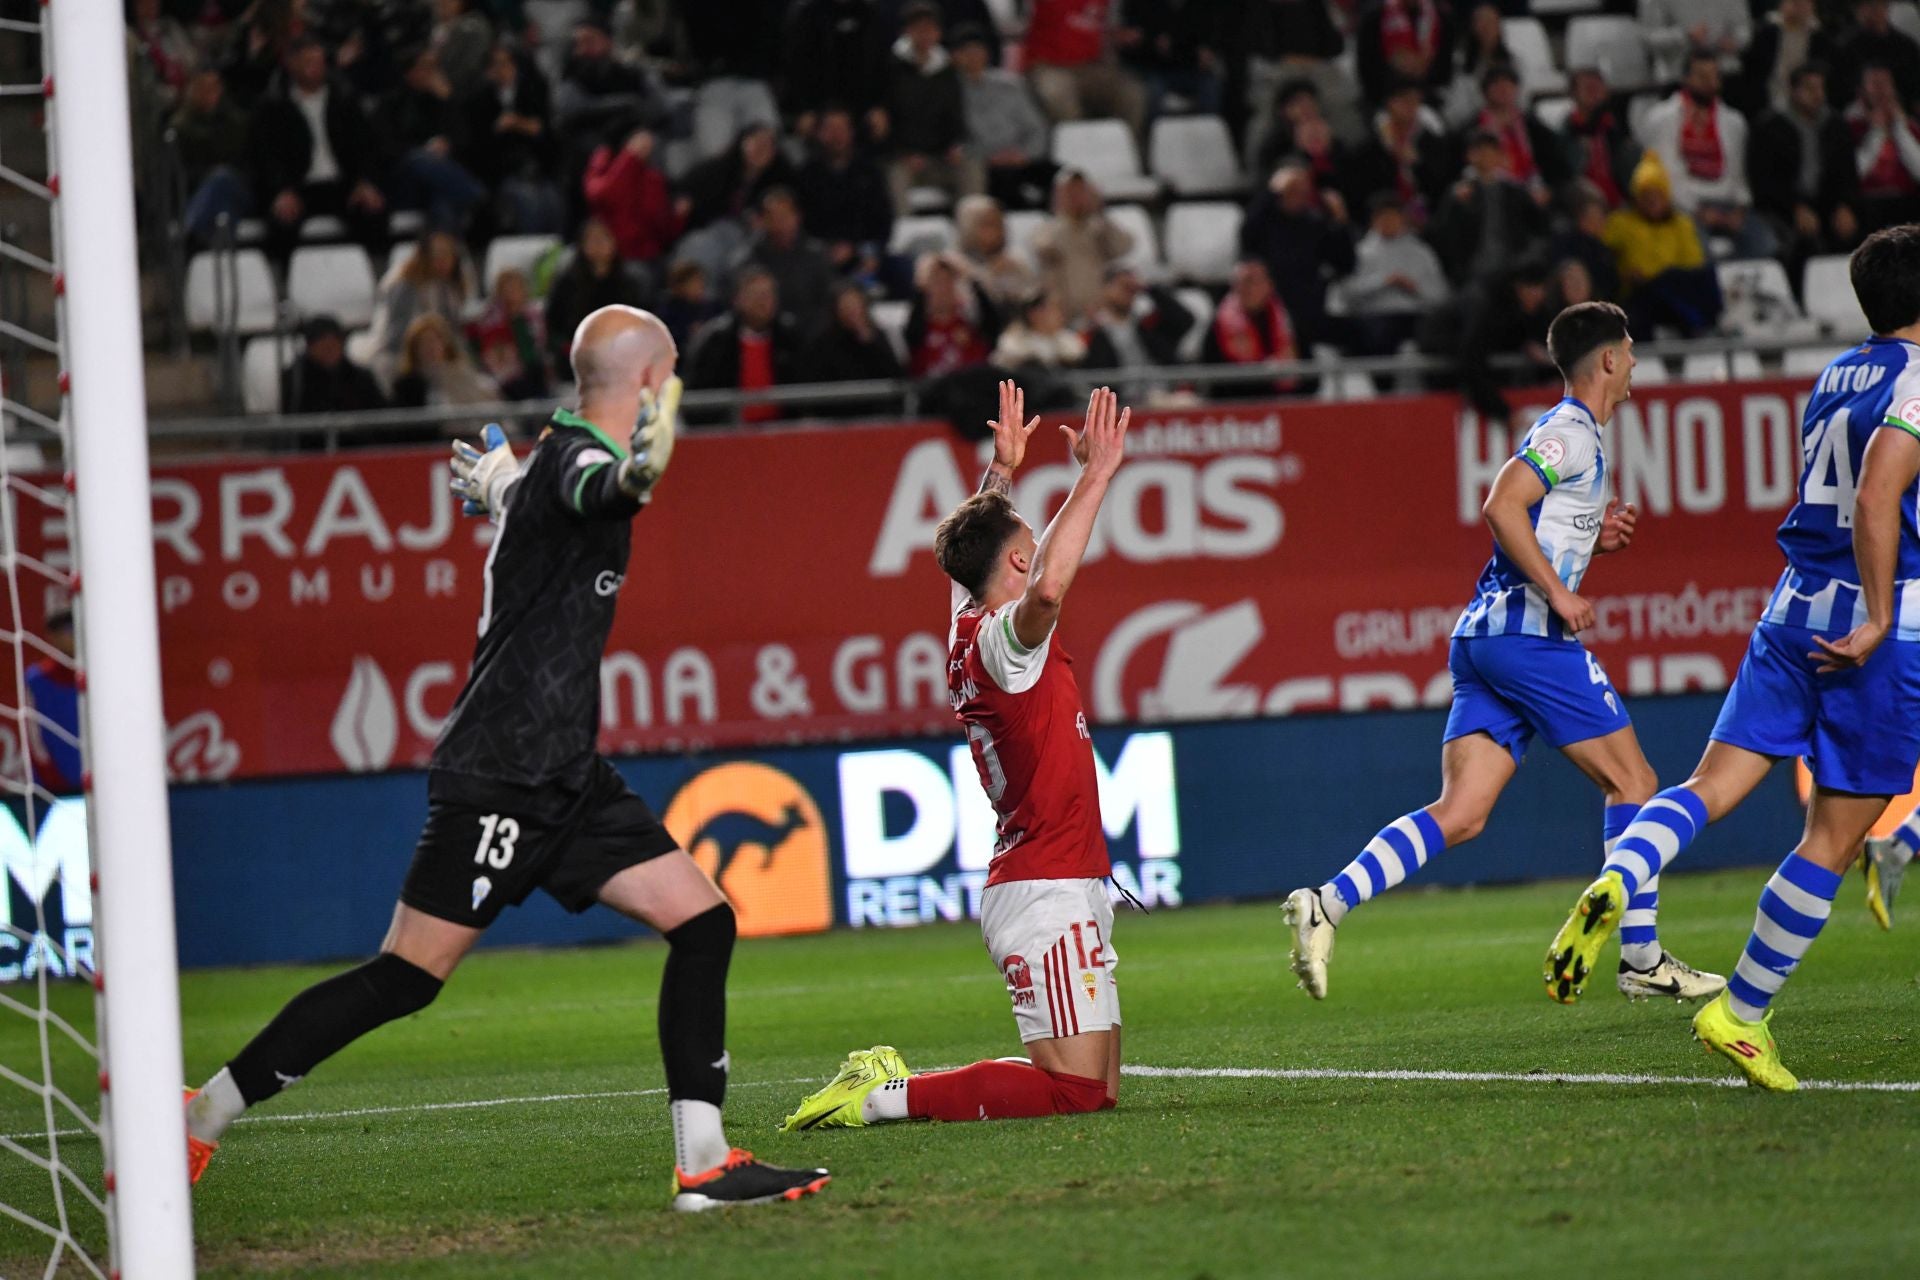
{"x":90,"y":154}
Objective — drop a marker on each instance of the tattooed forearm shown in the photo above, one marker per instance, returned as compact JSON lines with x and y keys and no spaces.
{"x":997,"y":480}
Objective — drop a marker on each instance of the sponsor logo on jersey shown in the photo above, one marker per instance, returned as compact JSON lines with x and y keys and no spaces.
{"x":607,"y":582}
{"x":1019,"y":981}
{"x":760,"y":835}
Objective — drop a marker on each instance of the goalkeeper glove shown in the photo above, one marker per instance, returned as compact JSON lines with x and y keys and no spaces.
{"x":481,"y":480}
{"x":651,"y":447}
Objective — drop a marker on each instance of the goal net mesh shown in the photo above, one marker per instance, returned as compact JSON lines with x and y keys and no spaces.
{"x":53,"y":1191}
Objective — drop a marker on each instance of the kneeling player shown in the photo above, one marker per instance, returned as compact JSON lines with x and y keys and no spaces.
{"x":518,"y":798}
{"x":1045,"y":914}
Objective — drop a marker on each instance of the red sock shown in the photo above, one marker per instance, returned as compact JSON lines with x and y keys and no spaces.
{"x":1001,"y":1091}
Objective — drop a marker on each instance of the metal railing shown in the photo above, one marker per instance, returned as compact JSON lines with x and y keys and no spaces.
{"x":892,"y":400}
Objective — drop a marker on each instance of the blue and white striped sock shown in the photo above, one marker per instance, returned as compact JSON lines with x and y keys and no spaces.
{"x":1402,"y":848}
{"x":1639,"y":939}
{"x":1907,"y":834}
{"x":1664,"y":826}
{"x":1793,"y":907}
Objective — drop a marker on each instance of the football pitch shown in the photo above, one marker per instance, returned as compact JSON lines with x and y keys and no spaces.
{"x":518,"y":1127}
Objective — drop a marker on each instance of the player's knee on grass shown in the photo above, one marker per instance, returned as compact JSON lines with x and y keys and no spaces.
{"x":1074,"y":1095}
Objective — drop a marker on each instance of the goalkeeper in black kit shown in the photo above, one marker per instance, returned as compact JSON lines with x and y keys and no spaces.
{"x":518,"y":797}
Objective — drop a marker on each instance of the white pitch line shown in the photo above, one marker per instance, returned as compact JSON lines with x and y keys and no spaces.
{"x":1130,"y":1069}
{"x":1498,"y":1077}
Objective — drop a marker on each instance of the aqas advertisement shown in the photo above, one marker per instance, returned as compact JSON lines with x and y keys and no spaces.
{"x":318,"y":613}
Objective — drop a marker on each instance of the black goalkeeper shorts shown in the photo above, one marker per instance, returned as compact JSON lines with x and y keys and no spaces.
{"x":486,"y":847}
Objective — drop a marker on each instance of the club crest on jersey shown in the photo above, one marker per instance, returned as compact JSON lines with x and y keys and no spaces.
{"x":481,"y":888}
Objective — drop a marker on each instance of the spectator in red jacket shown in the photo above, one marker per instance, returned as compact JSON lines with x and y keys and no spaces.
{"x":1071,"y":63}
{"x":628,"y":192}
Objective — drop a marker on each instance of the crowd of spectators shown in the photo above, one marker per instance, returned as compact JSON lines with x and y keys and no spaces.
{"x":740,"y":168}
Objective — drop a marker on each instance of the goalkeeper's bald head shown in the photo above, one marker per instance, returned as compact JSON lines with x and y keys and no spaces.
{"x":619,"y":352}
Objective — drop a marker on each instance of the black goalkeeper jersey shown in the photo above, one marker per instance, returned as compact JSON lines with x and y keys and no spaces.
{"x":529,"y":714}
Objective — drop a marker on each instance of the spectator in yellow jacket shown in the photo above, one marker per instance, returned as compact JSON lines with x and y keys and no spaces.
{"x":1663,"y":268}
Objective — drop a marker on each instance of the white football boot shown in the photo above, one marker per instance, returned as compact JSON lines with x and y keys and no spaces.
{"x":1671,"y":978}
{"x":1312,"y":940}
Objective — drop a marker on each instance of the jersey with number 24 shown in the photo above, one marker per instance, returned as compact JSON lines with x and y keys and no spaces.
{"x":1875,"y":385}
{"x":1028,"y":732}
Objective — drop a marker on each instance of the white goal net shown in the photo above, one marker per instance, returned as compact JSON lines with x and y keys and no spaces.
{"x":92,"y":1146}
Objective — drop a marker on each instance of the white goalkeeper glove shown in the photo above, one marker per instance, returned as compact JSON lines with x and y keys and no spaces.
{"x":651,"y":447}
{"x":481,"y":480}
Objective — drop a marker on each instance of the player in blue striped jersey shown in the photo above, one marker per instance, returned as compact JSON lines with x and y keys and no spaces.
{"x":1519,"y":668}
{"x":1832,"y":671}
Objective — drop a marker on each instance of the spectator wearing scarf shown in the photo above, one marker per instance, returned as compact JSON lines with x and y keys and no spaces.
{"x":1408,"y":39}
{"x":1251,"y":324}
{"x":1702,"y":142}
{"x":1595,"y":140}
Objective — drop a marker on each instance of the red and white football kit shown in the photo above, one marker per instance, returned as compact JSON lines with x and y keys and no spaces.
{"x":1045,"y":914}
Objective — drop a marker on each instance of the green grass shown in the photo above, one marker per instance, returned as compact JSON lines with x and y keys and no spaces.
{"x":1190,"y":1177}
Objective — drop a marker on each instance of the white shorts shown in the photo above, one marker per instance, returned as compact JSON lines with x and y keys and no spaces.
{"x":1052,"y":940}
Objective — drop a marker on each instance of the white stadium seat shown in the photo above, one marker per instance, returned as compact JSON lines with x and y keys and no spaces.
{"x":1200,"y":305}
{"x":406,"y":224}
{"x":1745,"y":366}
{"x":1615,"y":44}
{"x":890,"y":318}
{"x":323,"y":228}
{"x":1556,"y":7}
{"x":922,"y":233}
{"x":1144,"y":256}
{"x":1194,"y":155}
{"x":1104,"y":151}
{"x":1904,"y":16}
{"x":1651,"y":372}
{"x":1553,"y":112}
{"x":1021,"y":224}
{"x":1804,"y":362}
{"x":258,"y":299}
{"x":1526,"y":40}
{"x":518,"y":253}
{"x":335,"y":280}
{"x":1828,"y":291}
{"x":1203,"y":240}
{"x":1705,"y":366}
{"x":260,"y":367}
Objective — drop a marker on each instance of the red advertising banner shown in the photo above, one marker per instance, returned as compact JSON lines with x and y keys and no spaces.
{"x":318,"y":613}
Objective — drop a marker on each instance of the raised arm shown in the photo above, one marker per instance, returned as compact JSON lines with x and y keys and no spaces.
{"x":1887,"y":475}
{"x":1098,"y":447}
{"x":1515,"y":490}
{"x":1010,"y":432}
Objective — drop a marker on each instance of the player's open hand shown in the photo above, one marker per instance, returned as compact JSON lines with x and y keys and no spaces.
{"x":1616,"y":526}
{"x":1012,"y":427}
{"x":1100,"y":443}
{"x":481,"y":478}
{"x":1850,"y":651}
{"x":1574,"y":610}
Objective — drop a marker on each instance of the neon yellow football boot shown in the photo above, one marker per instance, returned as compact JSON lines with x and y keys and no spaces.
{"x":1576,"y":948}
{"x":1885,"y":862}
{"x":1750,"y":1046}
{"x":837,"y":1104}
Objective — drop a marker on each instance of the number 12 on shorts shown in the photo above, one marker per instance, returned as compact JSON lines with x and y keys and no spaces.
{"x":497,"y":835}
{"x":1097,"y":957}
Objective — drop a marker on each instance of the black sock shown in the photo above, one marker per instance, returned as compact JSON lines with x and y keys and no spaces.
{"x":326,"y":1018}
{"x":693,"y":1006}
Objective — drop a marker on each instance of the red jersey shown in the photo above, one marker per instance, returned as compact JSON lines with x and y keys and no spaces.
{"x":1067,"y":33}
{"x":1028,"y":731}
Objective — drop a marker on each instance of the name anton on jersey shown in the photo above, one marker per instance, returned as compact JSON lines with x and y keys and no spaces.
{"x":1851,"y":379}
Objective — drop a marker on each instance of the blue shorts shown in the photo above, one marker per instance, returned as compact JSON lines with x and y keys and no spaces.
{"x":1512,"y":687}
{"x":1860,"y":730}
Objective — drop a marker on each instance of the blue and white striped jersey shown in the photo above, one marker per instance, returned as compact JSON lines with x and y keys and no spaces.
{"x":1875,"y":385}
{"x":1564,"y":450}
